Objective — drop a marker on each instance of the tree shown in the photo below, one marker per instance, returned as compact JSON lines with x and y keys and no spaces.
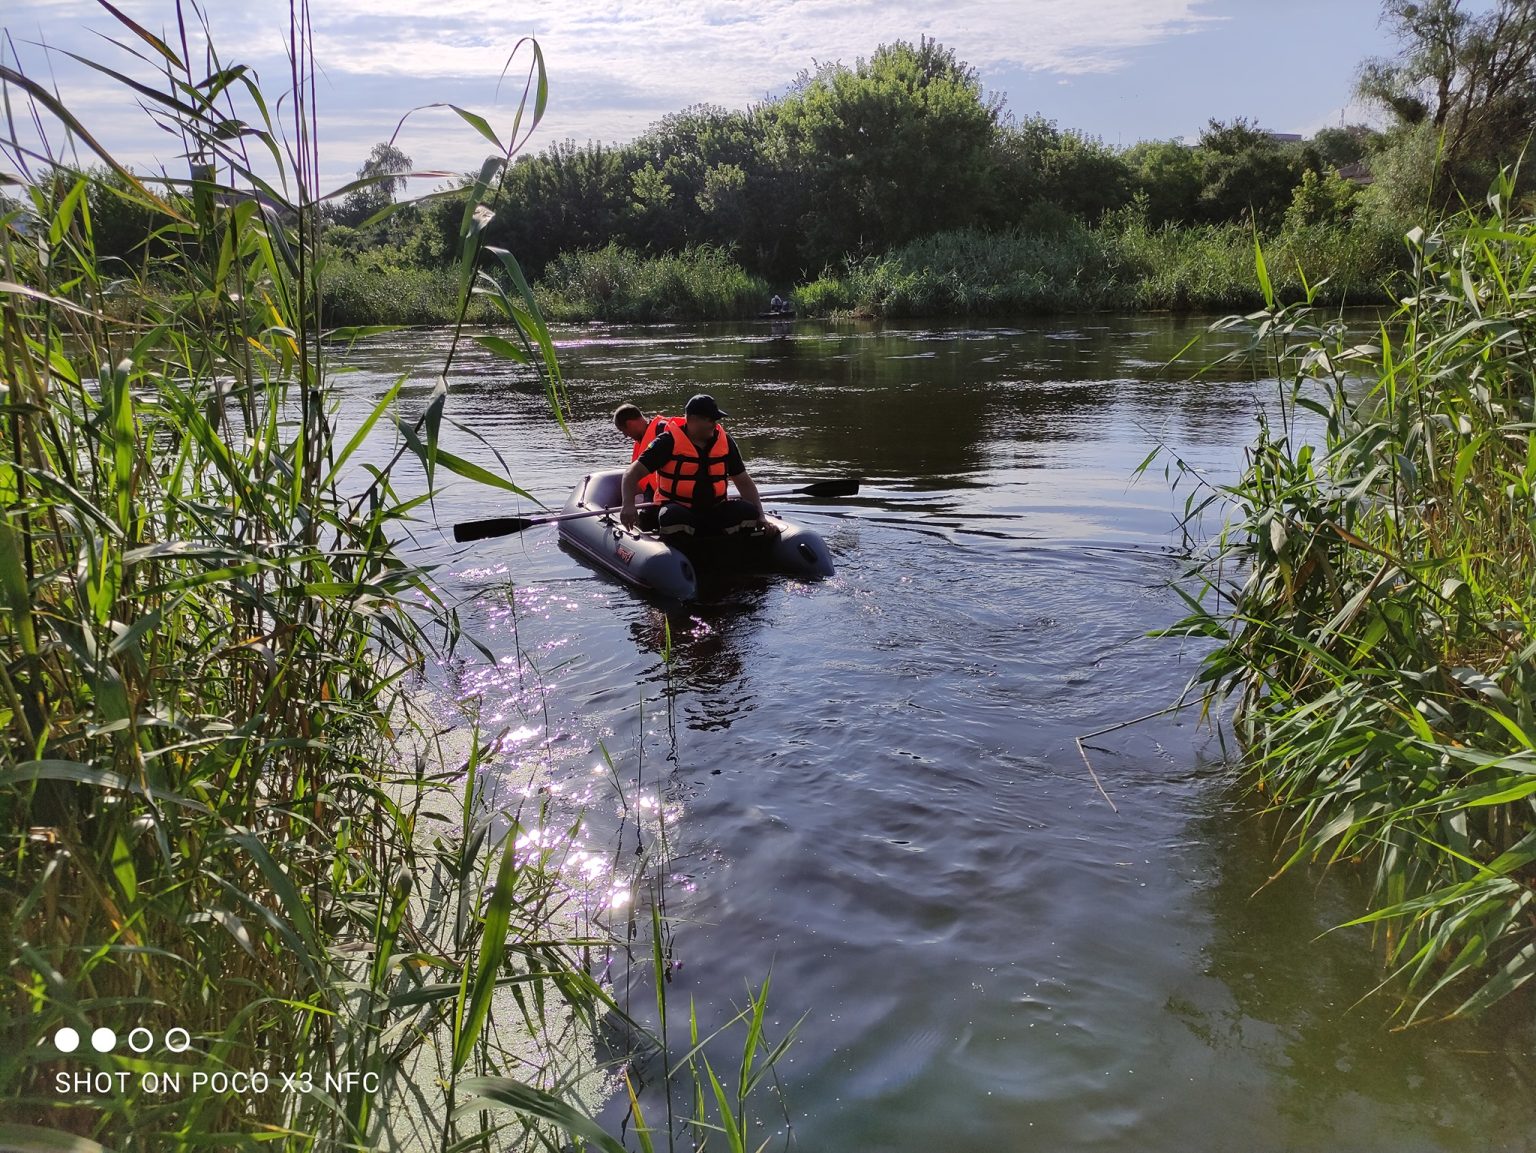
{"x":724,"y":202}
{"x":1341,"y":147}
{"x":385,"y":171}
{"x":122,"y":225}
{"x":1034,"y":163}
{"x":893,"y":148}
{"x":565,"y":199}
{"x":1245,"y":173}
{"x":1471,"y":79}
{"x":1321,"y":198}
{"x":651,"y":198}
{"x":683,"y":148}
{"x":1168,"y":174}
{"x":1085,"y":177}
{"x":1018,"y":166}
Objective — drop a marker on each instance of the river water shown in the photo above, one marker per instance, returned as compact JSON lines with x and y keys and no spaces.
{"x":870,"y":785}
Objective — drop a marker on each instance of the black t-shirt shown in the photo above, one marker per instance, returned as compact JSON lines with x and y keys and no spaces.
{"x":659,"y":451}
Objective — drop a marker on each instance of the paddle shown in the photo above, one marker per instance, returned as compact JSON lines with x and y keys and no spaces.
{"x":506,"y":525}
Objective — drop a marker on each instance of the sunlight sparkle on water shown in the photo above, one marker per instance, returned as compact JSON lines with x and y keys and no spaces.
{"x":587,"y":875}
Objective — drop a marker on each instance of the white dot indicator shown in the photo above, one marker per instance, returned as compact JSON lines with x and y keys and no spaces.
{"x":103,"y":1040}
{"x":178,"y":1040}
{"x":67,"y":1040}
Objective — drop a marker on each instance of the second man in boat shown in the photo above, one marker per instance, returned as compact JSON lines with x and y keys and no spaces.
{"x":693,"y":457}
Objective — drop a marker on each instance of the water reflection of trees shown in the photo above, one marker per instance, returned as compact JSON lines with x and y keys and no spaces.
{"x":919,"y":403}
{"x":901,"y":401}
{"x":1298,"y":1003}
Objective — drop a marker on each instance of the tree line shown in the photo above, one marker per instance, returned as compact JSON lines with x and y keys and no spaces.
{"x":857,"y":160}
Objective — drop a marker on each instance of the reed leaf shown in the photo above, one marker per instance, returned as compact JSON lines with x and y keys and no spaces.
{"x":1374,"y":651}
{"x":504,"y":1092}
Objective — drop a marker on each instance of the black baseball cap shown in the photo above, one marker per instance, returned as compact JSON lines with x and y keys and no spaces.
{"x":704,"y":405}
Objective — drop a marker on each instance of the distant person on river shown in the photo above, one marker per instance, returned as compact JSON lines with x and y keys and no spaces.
{"x":692,"y":459}
{"x":778,"y":304}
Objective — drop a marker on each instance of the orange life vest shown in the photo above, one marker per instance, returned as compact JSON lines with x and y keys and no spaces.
{"x":652,"y":431}
{"x":689,"y":477}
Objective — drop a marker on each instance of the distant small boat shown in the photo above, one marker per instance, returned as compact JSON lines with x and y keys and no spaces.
{"x":782,"y":314}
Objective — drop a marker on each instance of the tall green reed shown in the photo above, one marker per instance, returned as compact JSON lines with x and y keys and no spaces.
{"x":612,"y":283}
{"x":211,"y":648}
{"x":1371,"y":604}
{"x":230,"y":805}
{"x":1059,"y":264}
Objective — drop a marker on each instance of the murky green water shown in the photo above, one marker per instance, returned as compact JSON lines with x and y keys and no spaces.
{"x":871,"y":784}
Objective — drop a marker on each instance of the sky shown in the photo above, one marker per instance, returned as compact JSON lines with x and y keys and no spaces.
{"x":1119,"y":70}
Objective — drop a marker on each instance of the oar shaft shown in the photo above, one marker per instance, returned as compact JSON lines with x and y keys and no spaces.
{"x":505,"y":525}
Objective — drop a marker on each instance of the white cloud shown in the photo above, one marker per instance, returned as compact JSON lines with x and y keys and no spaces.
{"x":744,"y":48}
{"x":613,"y":70}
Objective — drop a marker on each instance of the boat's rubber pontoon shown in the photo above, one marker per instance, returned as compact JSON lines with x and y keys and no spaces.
{"x":670,"y":566}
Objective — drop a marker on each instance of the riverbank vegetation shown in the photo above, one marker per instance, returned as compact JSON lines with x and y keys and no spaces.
{"x":612,"y":283}
{"x":252,"y":891}
{"x":871,"y":188}
{"x":1123,"y":265}
{"x":761,"y":202}
{"x":1373,"y":605}
{"x":1053,"y":264}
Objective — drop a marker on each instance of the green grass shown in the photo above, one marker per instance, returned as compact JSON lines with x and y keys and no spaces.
{"x":1371,"y":605}
{"x":1062,"y":266}
{"x":361,"y":291}
{"x":615,"y":284}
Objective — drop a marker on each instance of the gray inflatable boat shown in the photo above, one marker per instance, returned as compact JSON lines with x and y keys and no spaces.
{"x":670,"y":567}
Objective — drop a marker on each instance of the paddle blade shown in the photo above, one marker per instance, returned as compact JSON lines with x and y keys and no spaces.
{"x":848,"y":486}
{"x":496,"y":526}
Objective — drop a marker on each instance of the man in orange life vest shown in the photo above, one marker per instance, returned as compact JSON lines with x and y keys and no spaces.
{"x":693,"y":457}
{"x":629,"y":420}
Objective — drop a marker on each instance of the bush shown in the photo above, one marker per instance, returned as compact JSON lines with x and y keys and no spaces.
{"x":369,"y":289}
{"x":616,"y":284}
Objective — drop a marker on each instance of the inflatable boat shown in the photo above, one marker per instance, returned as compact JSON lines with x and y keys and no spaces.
{"x":671,"y":566}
